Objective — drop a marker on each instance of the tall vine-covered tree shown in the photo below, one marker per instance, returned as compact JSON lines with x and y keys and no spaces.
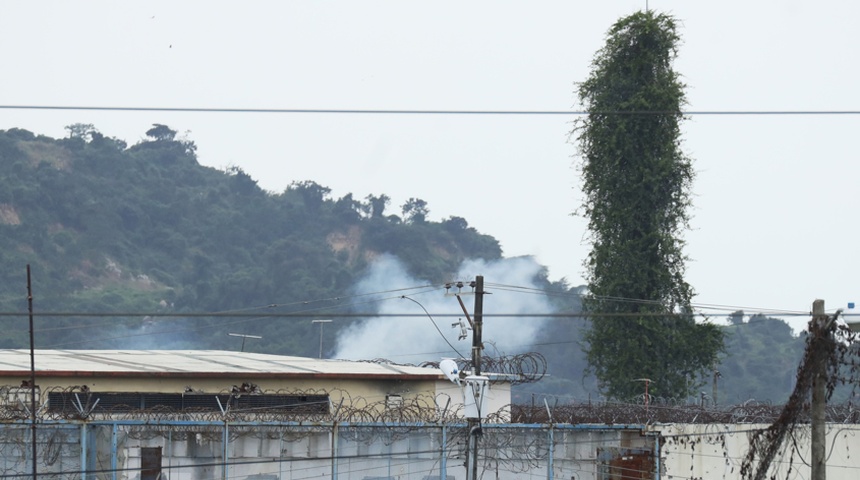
{"x":636,"y":183}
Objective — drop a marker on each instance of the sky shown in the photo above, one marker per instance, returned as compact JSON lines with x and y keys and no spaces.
{"x":774,"y":215}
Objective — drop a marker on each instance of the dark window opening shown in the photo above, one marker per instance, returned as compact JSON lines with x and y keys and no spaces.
{"x":118,"y":402}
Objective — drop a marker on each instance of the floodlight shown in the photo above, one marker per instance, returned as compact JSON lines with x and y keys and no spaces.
{"x":450,"y":369}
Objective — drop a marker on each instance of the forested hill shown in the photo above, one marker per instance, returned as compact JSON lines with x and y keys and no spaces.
{"x":112,"y":228}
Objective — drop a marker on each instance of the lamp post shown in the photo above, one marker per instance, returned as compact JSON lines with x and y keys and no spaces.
{"x":243,"y":338}
{"x":647,"y":395}
{"x":321,"y":322}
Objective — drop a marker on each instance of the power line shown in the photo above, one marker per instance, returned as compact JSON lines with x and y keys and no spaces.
{"x":306,"y":315}
{"x":435,"y":325}
{"x":710,"y":306}
{"x":428,"y":111}
{"x":250,"y":314}
{"x":248,"y":317}
{"x":426,"y":288}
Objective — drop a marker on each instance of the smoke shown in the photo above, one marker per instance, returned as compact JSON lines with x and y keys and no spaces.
{"x":415,"y":339}
{"x":140,"y":334}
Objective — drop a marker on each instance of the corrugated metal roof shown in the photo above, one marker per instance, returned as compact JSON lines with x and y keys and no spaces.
{"x":195,"y":362}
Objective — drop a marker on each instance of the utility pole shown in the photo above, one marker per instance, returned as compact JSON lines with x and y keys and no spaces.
{"x":477,"y":347}
{"x":475,"y":386}
{"x":821,"y":325}
{"x":321,"y":322}
{"x":477,"y":328}
{"x":32,"y":373}
{"x":717,"y":375}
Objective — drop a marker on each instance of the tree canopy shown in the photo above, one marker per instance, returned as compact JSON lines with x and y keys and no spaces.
{"x":636,"y":182}
{"x":112,"y":229}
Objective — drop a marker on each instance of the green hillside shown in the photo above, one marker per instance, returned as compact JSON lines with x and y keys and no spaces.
{"x":128,"y":241}
{"x":109,"y":228}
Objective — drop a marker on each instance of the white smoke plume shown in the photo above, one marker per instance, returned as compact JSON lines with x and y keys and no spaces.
{"x":415,"y":339}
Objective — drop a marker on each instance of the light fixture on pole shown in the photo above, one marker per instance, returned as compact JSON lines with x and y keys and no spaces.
{"x":647,"y":396}
{"x":321,"y":322}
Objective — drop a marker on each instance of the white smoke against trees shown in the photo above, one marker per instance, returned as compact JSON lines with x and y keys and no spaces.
{"x":415,"y":339}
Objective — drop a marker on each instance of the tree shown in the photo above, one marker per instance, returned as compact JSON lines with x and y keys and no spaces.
{"x":455,"y":224}
{"x":636,"y":184}
{"x":736,"y":317}
{"x":313,"y":194}
{"x":376,"y":204}
{"x":242,"y":182}
{"x":85,"y":131}
{"x":415,"y":210}
{"x":348,"y":209}
{"x":161,"y":133}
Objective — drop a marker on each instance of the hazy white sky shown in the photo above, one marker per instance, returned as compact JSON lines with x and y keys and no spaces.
{"x":775,"y":211}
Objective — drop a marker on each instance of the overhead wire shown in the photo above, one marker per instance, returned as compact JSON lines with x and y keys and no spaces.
{"x":430,"y":111}
{"x":247,"y":316}
{"x":435,"y":325}
{"x":242,"y":313}
{"x":550,"y":293}
{"x":310,"y":313}
{"x":238,"y":313}
{"x":316,"y":312}
{"x":336,"y":298}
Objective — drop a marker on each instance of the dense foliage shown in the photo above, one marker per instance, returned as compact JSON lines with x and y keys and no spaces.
{"x":759,"y":365}
{"x":636,"y":182}
{"x":109,"y":228}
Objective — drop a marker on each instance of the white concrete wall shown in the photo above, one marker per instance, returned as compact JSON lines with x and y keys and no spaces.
{"x":716,"y":451}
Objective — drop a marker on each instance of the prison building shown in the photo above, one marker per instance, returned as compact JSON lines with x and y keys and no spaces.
{"x":124,"y":381}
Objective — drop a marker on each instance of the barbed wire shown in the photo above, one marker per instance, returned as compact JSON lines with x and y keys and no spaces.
{"x":439,"y":409}
{"x":658,"y":413}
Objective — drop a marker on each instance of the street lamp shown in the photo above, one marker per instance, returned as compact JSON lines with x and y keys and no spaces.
{"x":321,"y":322}
{"x":244,"y":337}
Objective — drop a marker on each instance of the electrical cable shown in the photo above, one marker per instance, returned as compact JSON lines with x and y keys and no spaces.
{"x":243,"y":314}
{"x":250,"y":317}
{"x":435,"y":325}
{"x":314,"y":313}
{"x":733,"y":308}
{"x":304,"y":315}
{"x":431,"y":112}
{"x":337,"y":298}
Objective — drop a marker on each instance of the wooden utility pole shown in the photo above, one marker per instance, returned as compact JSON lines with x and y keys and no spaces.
{"x":32,"y":373}
{"x":477,"y":328}
{"x":717,"y":375}
{"x":477,"y":347}
{"x":820,"y":325}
